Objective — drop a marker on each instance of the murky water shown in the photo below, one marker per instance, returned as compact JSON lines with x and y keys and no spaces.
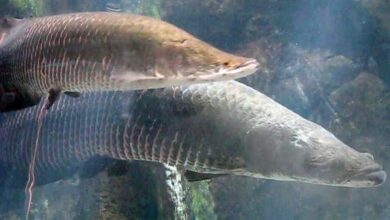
{"x":327,"y":61}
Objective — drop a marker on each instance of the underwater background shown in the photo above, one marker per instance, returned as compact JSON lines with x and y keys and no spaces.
{"x":328,"y":61}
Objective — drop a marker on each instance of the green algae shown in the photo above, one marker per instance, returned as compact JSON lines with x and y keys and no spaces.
{"x":145,"y":7}
{"x":202,"y":203}
{"x":28,"y":7}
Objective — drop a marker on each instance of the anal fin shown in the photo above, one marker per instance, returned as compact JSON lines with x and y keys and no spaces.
{"x":193,"y":176}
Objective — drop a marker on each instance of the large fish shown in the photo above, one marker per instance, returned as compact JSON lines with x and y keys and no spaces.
{"x":221,"y":128}
{"x":106,"y":51}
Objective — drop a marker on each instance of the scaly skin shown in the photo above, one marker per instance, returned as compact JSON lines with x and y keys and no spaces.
{"x":215,"y":128}
{"x":107,"y":51}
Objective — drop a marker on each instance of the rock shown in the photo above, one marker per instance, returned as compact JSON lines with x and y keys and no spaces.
{"x":363,"y":106}
{"x":381,"y":53}
{"x":379,"y":9}
{"x":218,"y":22}
{"x":140,"y":193}
{"x":298,"y":78}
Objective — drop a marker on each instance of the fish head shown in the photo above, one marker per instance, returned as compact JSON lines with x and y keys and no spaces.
{"x":332,"y":162}
{"x":175,"y":57}
{"x":312,"y":155}
{"x":195,"y":60}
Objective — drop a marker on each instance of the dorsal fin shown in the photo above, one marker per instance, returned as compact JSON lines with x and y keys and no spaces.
{"x":6,"y":24}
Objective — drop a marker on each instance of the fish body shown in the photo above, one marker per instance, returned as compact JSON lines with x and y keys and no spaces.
{"x":107,"y":51}
{"x":213,"y":129}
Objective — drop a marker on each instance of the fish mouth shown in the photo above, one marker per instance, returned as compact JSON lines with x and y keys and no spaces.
{"x":244,"y":69}
{"x":229,"y":73}
{"x":369,"y":177}
{"x":252,"y":63}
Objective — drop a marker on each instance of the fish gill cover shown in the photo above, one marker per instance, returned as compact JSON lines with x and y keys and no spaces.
{"x":327,"y":61}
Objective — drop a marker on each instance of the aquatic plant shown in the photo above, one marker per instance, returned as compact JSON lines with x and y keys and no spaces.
{"x":151,"y":8}
{"x":28,"y":7}
{"x":202,"y":203}
{"x":145,"y":7}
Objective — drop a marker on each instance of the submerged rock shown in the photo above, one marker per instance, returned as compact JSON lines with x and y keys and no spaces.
{"x":379,"y":9}
{"x":122,"y":191}
{"x":363,"y":106}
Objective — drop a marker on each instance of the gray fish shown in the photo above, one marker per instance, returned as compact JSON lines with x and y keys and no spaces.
{"x":113,"y":7}
{"x":208,"y":130}
{"x":106,"y":51}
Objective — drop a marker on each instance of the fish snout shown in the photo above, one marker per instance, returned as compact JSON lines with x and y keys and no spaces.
{"x":238,"y":67}
{"x":373,"y":176}
{"x":241,"y":63}
{"x":377,"y":177}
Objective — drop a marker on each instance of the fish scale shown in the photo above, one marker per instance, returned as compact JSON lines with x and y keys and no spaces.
{"x":96,"y":124}
{"x":107,"y":51}
{"x":213,"y":129}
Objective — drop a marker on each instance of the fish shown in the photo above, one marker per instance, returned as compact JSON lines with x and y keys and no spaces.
{"x":113,"y":6}
{"x":205,"y":130}
{"x":92,"y":51}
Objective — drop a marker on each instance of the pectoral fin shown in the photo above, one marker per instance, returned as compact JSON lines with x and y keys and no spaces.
{"x":72,"y":94}
{"x":192,"y":176}
{"x":53,"y":96}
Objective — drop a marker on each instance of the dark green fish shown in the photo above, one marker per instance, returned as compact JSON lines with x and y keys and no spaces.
{"x":208,"y":130}
{"x":106,"y":51}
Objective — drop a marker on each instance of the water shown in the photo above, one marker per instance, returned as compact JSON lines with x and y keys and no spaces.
{"x":327,"y":61}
